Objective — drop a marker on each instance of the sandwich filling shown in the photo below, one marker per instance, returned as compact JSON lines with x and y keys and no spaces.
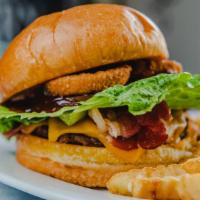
{"x":127,"y":106}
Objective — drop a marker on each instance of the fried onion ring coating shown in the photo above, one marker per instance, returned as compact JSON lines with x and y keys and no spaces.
{"x":85,"y":83}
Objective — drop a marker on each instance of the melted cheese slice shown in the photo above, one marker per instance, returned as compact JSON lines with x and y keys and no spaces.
{"x":30,"y":128}
{"x":56,"y":128}
{"x":87,"y":127}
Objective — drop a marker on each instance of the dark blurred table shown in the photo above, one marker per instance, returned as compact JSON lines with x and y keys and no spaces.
{"x":9,"y":193}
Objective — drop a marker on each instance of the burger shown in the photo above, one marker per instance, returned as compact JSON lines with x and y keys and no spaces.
{"x":91,"y":91}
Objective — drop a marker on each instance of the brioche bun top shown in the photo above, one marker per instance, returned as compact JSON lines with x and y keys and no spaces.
{"x":74,"y":40}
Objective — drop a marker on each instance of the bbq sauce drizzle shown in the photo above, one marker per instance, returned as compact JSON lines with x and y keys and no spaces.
{"x":38,"y":100}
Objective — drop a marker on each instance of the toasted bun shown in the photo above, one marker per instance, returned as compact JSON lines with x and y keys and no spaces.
{"x":74,"y":40}
{"x":68,"y":162}
{"x":87,"y":166}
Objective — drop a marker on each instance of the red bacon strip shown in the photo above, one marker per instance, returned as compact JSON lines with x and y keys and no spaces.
{"x":147,"y":131}
{"x":151,"y":140}
{"x":13,"y":132}
{"x":129,"y":124}
{"x":125,"y":143}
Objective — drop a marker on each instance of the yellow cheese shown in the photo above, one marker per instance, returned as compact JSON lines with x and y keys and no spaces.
{"x":29,"y":129}
{"x":56,"y":128}
{"x":87,"y":127}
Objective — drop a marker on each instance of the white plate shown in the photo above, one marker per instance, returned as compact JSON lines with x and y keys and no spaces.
{"x":14,"y":175}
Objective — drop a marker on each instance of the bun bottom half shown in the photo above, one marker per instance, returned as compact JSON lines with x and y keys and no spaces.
{"x":86,"y":166}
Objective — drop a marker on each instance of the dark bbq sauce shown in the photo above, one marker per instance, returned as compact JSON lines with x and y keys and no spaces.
{"x":38,"y":100}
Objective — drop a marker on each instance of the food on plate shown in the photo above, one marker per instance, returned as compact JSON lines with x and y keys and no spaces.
{"x":86,"y":83}
{"x":91,"y":91}
{"x":176,"y":181}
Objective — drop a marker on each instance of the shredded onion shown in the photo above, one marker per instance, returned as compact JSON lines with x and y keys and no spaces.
{"x":98,"y":119}
{"x":104,"y":125}
{"x":113,"y":128}
{"x":175,"y":127}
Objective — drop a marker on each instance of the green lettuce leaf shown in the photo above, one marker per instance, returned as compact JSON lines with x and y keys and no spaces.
{"x":180,"y":91}
{"x":185,"y":94}
{"x":8,"y":118}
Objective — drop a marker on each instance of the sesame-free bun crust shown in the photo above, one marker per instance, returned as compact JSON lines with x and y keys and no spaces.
{"x":70,"y":163}
{"x":74,"y":40}
{"x":86,"y":166}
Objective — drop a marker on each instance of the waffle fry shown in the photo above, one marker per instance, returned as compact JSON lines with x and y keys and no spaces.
{"x":178,"y":181}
